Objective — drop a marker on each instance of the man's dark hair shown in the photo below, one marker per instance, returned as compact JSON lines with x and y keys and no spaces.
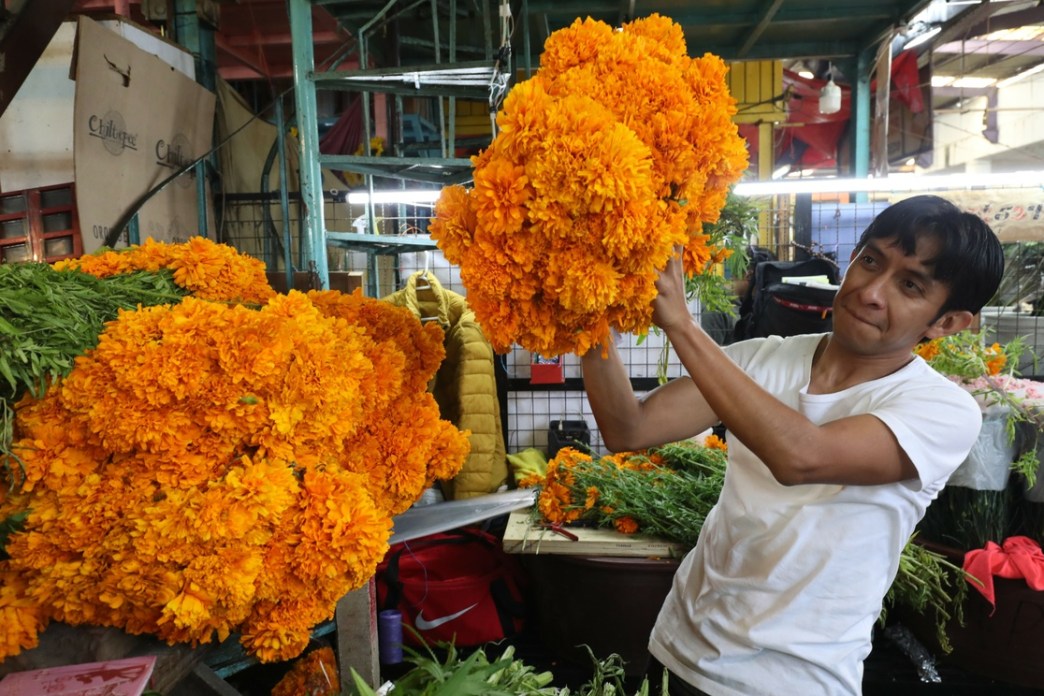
{"x":970,"y":259}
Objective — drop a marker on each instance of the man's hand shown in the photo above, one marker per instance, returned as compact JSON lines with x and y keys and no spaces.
{"x":670,"y":308}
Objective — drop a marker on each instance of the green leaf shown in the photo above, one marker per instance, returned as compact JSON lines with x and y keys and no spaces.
{"x":9,"y":526}
{"x":361,"y":687}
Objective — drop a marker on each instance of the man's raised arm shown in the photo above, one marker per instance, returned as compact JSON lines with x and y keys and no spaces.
{"x":672,"y":412}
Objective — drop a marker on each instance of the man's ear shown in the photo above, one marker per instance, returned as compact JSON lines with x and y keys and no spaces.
{"x":949,"y":323}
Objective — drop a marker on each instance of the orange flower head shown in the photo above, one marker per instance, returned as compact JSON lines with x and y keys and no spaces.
{"x":616,"y":151}
{"x":715,"y":442}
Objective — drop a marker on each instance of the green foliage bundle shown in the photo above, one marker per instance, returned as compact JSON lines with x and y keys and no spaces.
{"x":49,"y":317}
{"x":664,"y":491}
{"x":927,"y":582}
{"x":477,"y":675}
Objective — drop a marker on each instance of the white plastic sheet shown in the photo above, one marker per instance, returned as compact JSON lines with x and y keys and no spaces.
{"x":988,"y":465}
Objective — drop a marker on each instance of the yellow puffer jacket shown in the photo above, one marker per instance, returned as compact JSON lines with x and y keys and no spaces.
{"x":465,"y":386}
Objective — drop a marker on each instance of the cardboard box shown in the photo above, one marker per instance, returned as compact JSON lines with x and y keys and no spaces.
{"x":137,"y":120}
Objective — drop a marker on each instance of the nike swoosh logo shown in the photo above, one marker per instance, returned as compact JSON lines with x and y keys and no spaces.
{"x":428,"y":624}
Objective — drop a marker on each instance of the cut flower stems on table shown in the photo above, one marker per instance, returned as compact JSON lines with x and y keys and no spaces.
{"x":227,"y":462}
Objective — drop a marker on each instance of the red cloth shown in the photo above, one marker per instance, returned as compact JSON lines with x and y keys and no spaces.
{"x":1017,"y":557}
{"x":906,"y":81}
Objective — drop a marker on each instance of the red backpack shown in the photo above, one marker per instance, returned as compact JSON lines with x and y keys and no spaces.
{"x":457,"y":586}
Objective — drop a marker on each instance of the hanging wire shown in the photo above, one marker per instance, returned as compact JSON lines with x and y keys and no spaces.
{"x":501,"y":78}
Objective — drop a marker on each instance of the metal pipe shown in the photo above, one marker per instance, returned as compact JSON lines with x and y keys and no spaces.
{"x":284,"y":204}
{"x":314,"y":252}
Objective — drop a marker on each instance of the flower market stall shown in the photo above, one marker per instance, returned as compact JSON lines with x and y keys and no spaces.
{"x":224,"y":462}
{"x":207,"y":461}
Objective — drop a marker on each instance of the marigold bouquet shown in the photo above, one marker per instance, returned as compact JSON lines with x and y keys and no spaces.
{"x":664,"y":491}
{"x":208,"y":270}
{"x":613,"y":154}
{"x":213,"y":467}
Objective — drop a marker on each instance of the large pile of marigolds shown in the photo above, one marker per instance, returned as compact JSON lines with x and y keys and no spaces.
{"x":230,"y":463}
{"x":613,"y":153}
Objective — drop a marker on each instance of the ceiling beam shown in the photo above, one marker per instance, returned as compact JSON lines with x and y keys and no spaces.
{"x":283,"y":38}
{"x":768,"y":12}
{"x":95,"y":5}
{"x":222,"y":44}
{"x":992,"y":48}
{"x":785,"y":51}
{"x":1008,"y":20}
{"x":962,"y":26}
{"x":838,"y":11}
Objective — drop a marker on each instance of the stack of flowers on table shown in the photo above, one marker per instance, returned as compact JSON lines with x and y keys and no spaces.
{"x":227,"y":463}
{"x":615,"y":152}
{"x":664,"y":491}
{"x":983,"y":501}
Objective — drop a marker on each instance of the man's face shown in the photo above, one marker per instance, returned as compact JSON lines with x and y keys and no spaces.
{"x":889,"y":301}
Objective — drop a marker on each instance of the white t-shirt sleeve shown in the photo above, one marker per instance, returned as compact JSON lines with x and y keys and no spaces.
{"x":935,"y":421}
{"x":936,"y":425}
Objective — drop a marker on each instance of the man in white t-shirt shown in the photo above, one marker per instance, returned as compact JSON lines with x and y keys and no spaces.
{"x":837,"y":444}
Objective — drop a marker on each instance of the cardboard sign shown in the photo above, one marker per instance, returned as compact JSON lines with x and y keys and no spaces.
{"x":1014,"y":215}
{"x":136,"y":121}
{"x":125,"y":677}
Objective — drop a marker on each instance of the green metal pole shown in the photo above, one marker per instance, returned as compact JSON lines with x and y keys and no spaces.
{"x":284,"y":204}
{"x":861,"y":119}
{"x":198,"y":40}
{"x":372,"y":266}
{"x":450,"y":147}
{"x":314,"y":253}
{"x":526,"y":48}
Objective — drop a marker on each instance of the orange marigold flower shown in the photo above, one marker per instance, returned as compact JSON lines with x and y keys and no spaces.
{"x":315,"y":674}
{"x":618,"y":150}
{"x":625,"y":525}
{"x":592,"y":498}
{"x":714,"y":442}
{"x":928,"y":349}
{"x":995,"y":359}
{"x":531,"y":481}
{"x":20,"y":616}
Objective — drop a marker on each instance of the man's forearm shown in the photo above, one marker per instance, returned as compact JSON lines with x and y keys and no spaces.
{"x":672,"y":412}
{"x":611,"y":397}
{"x":771,"y":429}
